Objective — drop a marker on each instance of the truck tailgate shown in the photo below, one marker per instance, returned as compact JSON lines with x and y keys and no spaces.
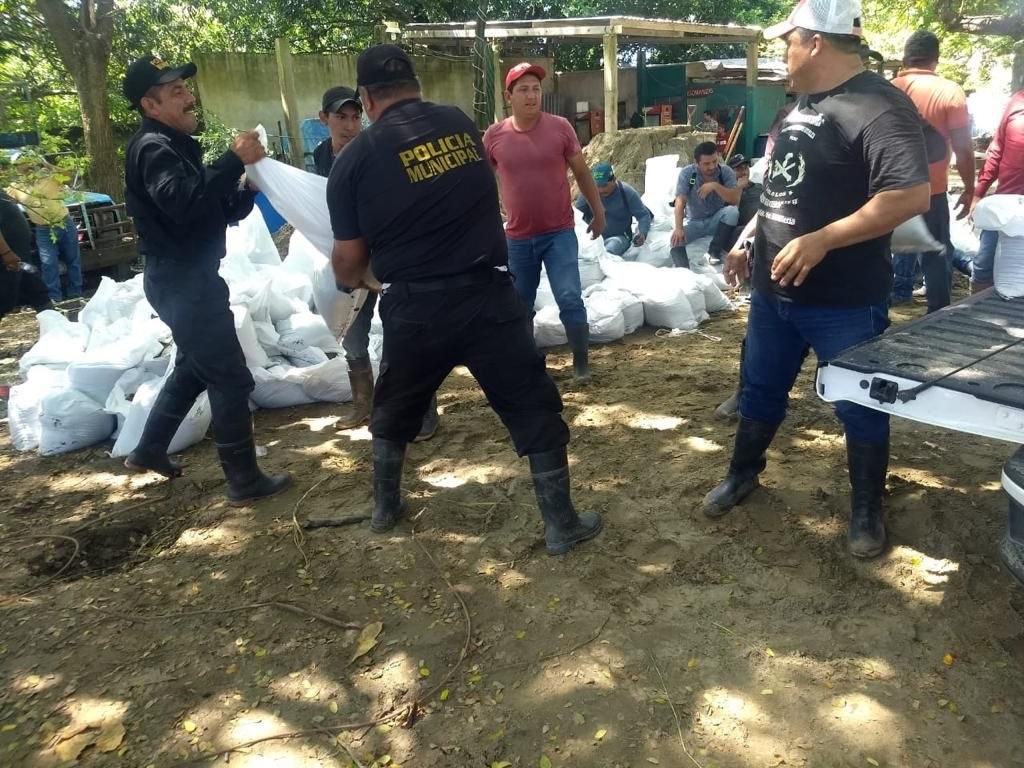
{"x":969,"y":356}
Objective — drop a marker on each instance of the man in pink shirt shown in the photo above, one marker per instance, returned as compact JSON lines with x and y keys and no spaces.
{"x":1004,"y":164}
{"x":530,"y":152}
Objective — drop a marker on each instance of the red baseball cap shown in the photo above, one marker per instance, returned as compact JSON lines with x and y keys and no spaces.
{"x":523,"y":69}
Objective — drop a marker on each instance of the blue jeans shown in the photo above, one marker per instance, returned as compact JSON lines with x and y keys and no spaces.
{"x":697,"y":228}
{"x":559,"y":253}
{"x":356,"y":342}
{"x":618,"y":244}
{"x":56,"y":243}
{"x":779,"y":333}
{"x":986,"y":258}
{"x":936,"y":266}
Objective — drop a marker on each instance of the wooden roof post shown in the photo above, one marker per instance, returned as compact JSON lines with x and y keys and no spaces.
{"x":611,"y":82}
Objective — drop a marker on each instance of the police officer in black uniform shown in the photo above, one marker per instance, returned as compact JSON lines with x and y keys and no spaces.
{"x":181,"y":210}
{"x":414,"y":197}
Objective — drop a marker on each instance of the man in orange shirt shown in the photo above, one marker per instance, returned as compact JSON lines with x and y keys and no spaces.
{"x":943,"y":104}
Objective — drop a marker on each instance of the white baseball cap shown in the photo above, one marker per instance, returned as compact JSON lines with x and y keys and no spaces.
{"x":834,"y":17}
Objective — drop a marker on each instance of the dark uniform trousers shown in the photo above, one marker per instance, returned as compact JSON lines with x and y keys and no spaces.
{"x":22,"y":289}
{"x":429,"y":328}
{"x":193,"y":300}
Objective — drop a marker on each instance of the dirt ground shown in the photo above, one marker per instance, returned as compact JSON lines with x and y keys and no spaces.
{"x":145,"y":623}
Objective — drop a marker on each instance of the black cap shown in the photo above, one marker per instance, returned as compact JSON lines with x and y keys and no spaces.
{"x":337,"y":97}
{"x":922,"y":45}
{"x":148,"y":71}
{"x":737,"y":160}
{"x":383,"y":64}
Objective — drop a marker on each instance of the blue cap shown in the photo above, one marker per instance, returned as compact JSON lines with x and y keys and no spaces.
{"x":603,"y":173}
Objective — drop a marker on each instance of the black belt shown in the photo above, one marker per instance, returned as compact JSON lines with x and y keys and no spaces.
{"x":466,"y":279}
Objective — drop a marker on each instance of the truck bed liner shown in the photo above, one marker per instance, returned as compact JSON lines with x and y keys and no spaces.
{"x":986,"y":397}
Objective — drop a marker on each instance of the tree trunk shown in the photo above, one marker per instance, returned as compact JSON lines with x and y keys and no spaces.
{"x":84,"y":42}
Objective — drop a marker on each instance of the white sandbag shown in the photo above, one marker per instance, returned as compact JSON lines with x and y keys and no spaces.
{"x":251,"y":238}
{"x":95,"y":380}
{"x":669,"y":309}
{"x":548,"y":330}
{"x":913,"y":236}
{"x":328,"y":382}
{"x":714,"y":299}
{"x":60,"y":342}
{"x":656,"y":251}
{"x":289,"y":293}
{"x":660,"y":178}
{"x":545,"y":296}
{"x":338,"y":308}
{"x":671,"y":297}
{"x":304,"y":329}
{"x":590,"y":269}
{"x":299,"y":196}
{"x":120,"y":345}
{"x":119,"y":399}
{"x":631,"y":307}
{"x":193,"y":428}
{"x":306,"y":357}
{"x":1008,"y":269}
{"x":23,"y":404}
{"x":303,"y":257}
{"x":605,"y":319}
{"x":278,"y":387}
{"x":69,"y":420}
{"x":112,"y":301}
{"x":1003,"y":213}
{"x":255,"y":357}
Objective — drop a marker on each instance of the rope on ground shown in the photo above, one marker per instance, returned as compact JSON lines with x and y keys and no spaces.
{"x":672,"y":333}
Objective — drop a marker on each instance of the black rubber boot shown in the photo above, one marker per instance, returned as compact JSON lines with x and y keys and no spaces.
{"x":150,"y":455}
{"x":729,"y":410}
{"x":360,"y":377}
{"x":748,"y":461}
{"x":563,"y":528}
{"x":722,"y":241}
{"x":430,"y":421}
{"x":680,"y":259}
{"x":1011,"y":548}
{"x":868,"y":465}
{"x":236,"y":447}
{"x":388,"y":506}
{"x":579,"y":343}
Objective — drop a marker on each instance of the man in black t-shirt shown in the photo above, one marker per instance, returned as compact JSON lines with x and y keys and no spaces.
{"x":414,"y":198}
{"x":848,"y":166}
{"x":342,"y":113}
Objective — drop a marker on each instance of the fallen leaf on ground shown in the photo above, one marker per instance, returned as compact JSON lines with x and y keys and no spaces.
{"x":948,"y":659}
{"x":189,"y":726}
{"x":601,"y":734}
{"x":110,"y":737}
{"x":70,"y":749}
{"x":545,"y":762}
{"x":367,"y":639}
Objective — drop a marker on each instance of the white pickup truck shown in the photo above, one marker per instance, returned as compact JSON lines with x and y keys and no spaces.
{"x":961,"y":368}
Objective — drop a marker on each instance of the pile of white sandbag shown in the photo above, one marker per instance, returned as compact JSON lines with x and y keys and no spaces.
{"x":1005,"y":214}
{"x":97,"y":378}
{"x":621,"y":293}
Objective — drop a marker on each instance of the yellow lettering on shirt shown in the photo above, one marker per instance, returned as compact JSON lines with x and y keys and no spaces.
{"x":438,"y":156}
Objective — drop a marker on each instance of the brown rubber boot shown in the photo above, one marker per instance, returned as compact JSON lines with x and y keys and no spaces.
{"x":360,"y":376}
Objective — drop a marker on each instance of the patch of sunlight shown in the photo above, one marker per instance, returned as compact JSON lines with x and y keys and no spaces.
{"x":813,"y":438}
{"x":219,"y":538}
{"x":258,"y":724}
{"x":433,"y":474}
{"x":917,"y":575}
{"x":357,"y":435}
{"x":850,"y":709}
{"x":923,"y":477}
{"x":656,"y":569}
{"x":658,"y":423}
{"x":575,"y":672}
{"x":609,"y":415}
{"x":33,"y":684}
{"x":700,"y":445}
{"x":94,"y":713}
{"x":306,"y":686}
{"x":316,"y":423}
{"x":995,"y":485}
{"x":723,"y":705}
{"x":513,"y":579}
